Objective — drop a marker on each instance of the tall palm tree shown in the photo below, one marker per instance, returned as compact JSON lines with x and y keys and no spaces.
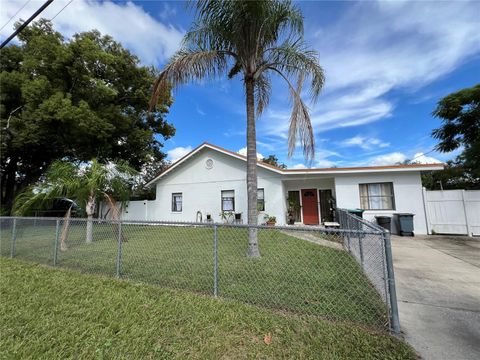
{"x":254,"y":39}
{"x":84,"y":184}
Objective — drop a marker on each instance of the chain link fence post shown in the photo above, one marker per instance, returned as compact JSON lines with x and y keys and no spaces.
{"x":119,"y":251}
{"x":215,"y":261}
{"x":361,"y":235}
{"x":348,"y":233}
{"x":55,"y":245}
{"x":14,"y":239}
{"x":394,"y":319}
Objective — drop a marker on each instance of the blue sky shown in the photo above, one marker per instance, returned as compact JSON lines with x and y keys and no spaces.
{"x":386,"y":66}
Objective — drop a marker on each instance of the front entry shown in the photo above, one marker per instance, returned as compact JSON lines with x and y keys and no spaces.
{"x":327,"y":205}
{"x":310,"y":206}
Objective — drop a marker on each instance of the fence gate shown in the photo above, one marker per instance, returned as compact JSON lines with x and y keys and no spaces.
{"x":453,"y":211}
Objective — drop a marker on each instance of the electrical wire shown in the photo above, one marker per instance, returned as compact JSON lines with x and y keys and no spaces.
{"x":422,"y":154}
{"x":61,"y":10}
{"x":15,"y":14}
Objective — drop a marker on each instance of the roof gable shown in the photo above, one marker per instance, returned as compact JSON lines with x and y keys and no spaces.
{"x":206,"y":145}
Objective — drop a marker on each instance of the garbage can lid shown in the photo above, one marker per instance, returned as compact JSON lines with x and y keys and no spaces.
{"x":382,"y":217}
{"x":405,"y":214}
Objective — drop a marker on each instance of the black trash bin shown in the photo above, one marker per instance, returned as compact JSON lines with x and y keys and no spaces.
{"x":357,"y":212}
{"x":385,"y":222}
{"x":405,"y":224}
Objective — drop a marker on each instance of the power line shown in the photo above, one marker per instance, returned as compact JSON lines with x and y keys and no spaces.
{"x":29,"y":20}
{"x":61,"y":10}
{"x":421,"y":154}
{"x":15,"y":14}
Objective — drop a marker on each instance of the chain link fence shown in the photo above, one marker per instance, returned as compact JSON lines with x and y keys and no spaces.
{"x":338,"y":274}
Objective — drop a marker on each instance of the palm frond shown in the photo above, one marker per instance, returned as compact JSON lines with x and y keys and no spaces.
{"x":294,"y":59}
{"x":263,"y":90}
{"x":60,"y":181}
{"x":189,"y":65}
{"x":282,"y":20}
{"x":76,"y":181}
{"x":300,"y":123}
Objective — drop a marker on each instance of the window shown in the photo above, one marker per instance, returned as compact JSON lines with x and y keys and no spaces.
{"x":177,"y":202}
{"x":377,"y":196}
{"x":260,"y":200}
{"x":228,"y":200}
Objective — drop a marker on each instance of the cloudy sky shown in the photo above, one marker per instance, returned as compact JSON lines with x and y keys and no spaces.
{"x":386,"y":66}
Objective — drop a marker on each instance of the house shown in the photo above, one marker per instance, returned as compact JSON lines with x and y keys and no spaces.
{"x":211,"y":180}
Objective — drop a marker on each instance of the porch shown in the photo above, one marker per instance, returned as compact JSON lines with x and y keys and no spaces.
{"x":309,"y":201}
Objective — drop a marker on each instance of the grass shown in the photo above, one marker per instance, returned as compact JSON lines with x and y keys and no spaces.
{"x":60,"y":314}
{"x":292,"y":275}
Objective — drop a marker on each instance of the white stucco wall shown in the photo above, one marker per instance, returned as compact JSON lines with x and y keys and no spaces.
{"x":407,"y":188}
{"x":201,"y":190}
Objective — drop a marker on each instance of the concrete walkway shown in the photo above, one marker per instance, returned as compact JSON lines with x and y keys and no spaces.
{"x":311,"y":237}
{"x":438,"y":290}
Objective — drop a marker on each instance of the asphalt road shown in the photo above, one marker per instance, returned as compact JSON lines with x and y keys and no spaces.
{"x":438,"y":290}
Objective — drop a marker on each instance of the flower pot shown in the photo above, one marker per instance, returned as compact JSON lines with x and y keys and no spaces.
{"x":271,"y":223}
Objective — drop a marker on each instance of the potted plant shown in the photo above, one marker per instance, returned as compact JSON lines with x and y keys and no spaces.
{"x":227,"y":216}
{"x":270,"y":220}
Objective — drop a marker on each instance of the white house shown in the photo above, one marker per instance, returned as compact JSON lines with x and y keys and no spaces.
{"x":211,"y":180}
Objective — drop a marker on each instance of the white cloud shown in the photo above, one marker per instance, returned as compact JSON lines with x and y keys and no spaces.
{"x":388,"y":159}
{"x":200,"y":111}
{"x":364,"y":143}
{"x":377,"y":47}
{"x":322,"y":163}
{"x":151,"y":40}
{"x":398,"y":157}
{"x":243,"y":151}
{"x":167,"y":12}
{"x":325,"y":163}
{"x":399,"y":44}
{"x":421,"y":158}
{"x":178,"y":152}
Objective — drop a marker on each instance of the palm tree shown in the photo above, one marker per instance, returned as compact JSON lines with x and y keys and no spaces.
{"x":84,"y":184}
{"x":254,"y":39}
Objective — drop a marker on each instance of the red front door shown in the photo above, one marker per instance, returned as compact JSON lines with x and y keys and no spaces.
{"x":310,"y":206}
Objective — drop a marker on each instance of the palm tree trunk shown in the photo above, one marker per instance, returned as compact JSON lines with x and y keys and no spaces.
{"x":89,"y":238}
{"x":65,"y":229}
{"x":90,"y":208}
{"x":251,"y":170}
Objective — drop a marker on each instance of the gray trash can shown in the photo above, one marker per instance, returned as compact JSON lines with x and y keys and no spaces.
{"x":357,"y":212}
{"x":405,"y":224}
{"x":385,"y":222}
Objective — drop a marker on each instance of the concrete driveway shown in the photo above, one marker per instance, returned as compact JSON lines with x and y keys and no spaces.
{"x":438,"y":290}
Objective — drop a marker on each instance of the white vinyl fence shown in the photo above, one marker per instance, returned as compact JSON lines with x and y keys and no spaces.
{"x":453,"y":211}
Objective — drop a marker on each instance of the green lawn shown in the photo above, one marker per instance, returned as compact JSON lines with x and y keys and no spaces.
{"x":60,"y":314}
{"x":292,"y":275}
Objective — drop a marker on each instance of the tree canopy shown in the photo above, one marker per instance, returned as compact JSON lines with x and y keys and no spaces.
{"x":460,"y":115}
{"x":273,"y":160}
{"x":76,"y":99}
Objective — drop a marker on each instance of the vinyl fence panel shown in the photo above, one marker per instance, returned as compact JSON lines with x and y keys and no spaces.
{"x":453,"y":211}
